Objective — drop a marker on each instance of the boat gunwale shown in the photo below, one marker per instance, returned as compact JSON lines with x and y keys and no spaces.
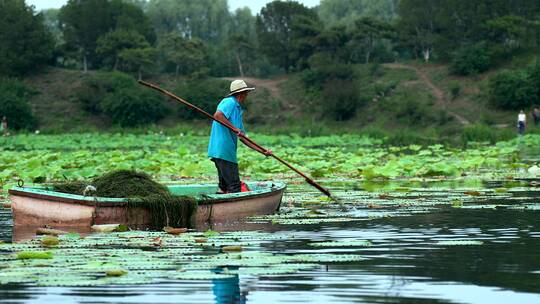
{"x":274,"y":189}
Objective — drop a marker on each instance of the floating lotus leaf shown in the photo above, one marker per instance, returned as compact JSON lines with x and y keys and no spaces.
{"x":459,"y":242}
{"x":115,"y":272}
{"x":343,"y":243}
{"x":26,"y":255}
{"x":50,"y":241}
{"x":200,"y":275}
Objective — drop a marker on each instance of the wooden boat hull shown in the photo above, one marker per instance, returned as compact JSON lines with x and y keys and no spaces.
{"x":38,"y":207}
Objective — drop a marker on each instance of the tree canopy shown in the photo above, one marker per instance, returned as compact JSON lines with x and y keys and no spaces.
{"x":25,"y":43}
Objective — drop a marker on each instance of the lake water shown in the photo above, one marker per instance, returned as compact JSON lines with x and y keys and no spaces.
{"x":404,"y":264}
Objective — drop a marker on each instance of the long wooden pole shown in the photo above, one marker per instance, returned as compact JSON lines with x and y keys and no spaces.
{"x":247,"y":139}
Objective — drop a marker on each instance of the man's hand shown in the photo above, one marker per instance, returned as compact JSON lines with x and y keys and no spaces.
{"x":239,"y":133}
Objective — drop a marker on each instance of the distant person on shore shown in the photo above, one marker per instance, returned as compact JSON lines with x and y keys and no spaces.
{"x":522,"y":122}
{"x":536,"y":116}
{"x":4,"y":126}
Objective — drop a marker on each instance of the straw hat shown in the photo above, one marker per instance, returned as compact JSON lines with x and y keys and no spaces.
{"x":238,"y":86}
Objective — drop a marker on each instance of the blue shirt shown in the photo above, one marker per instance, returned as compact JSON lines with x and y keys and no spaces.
{"x":223,"y":142}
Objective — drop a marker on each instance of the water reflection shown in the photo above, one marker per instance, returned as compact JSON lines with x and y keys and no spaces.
{"x":227,"y":291}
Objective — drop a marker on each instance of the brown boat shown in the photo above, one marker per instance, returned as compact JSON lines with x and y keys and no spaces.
{"x":34,"y":206}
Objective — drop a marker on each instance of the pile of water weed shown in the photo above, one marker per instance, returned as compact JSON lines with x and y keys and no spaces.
{"x":141,"y":192}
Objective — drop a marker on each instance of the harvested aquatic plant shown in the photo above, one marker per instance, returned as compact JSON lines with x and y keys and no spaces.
{"x":141,"y":192}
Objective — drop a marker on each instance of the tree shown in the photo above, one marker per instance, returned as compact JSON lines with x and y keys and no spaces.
{"x":84,"y":21}
{"x":50,"y":19}
{"x":243,"y":41}
{"x":276,"y":31}
{"x":346,"y":12}
{"x":187,"y":55}
{"x":445,"y":26}
{"x":14,"y":105}
{"x":25,"y":44}
{"x":332,"y":42}
{"x":138,"y":59}
{"x":367,"y":32}
{"x":304,"y":31}
{"x":418,"y":25}
{"x":512,"y":90}
{"x":113,"y":43}
{"x":207,"y":20}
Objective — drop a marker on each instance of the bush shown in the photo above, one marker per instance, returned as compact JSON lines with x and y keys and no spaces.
{"x":340,"y":99}
{"x":14,"y":104}
{"x":204,"y":93}
{"x":121,"y":98}
{"x":412,"y":112}
{"x":512,"y":90}
{"x":471,"y":60}
{"x":322,"y":68}
{"x":455,"y":90}
{"x":533,"y":72}
{"x":130,"y":107}
{"x":483,"y":133}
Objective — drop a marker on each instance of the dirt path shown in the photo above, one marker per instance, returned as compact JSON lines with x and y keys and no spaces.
{"x":437,"y":92}
{"x":272,"y":85}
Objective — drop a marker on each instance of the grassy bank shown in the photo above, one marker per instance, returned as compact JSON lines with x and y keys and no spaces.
{"x":396,"y":104}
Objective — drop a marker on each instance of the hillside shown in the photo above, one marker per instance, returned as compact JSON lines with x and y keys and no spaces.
{"x":409,"y":92}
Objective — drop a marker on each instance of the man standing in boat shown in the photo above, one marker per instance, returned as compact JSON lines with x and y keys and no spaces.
{"x":224,"y":142}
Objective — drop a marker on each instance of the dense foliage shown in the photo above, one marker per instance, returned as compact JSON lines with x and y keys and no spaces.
{"x":121,"y":98}
{"x":14,"y":104}
{"x":471,"y":60}
{"x":515,"y":89}
{"x":25,"y":44}
{"x":206,"y":94}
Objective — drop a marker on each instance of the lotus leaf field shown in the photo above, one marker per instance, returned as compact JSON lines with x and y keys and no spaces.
{"x":47,"y":158}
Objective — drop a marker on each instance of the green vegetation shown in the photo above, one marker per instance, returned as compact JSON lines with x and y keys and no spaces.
{"x":25,"y":43}
{"x":14,"y":105}
{"x":120,"y":98}
{"x":515,"y":89}
{"x":471,"y":60}
{"x":45,"y":158}
{"x":142,"y":191}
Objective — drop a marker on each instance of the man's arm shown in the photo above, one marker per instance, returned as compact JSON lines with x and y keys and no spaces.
{"x":219,"y":116}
